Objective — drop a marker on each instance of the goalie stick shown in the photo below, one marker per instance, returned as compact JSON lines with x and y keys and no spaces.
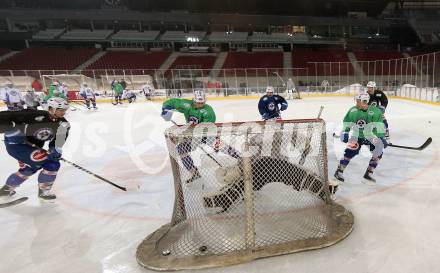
{"x":427,"y":142}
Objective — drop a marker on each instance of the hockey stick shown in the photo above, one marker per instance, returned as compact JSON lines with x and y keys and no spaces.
{"x":278,"y":75}
{"x":209,"y":155}
{"x":13,"y":202}
{"x":419,"y":148}
{"x":83,"y":169}
{"x":308,"y":147}
{"x":93,"y":174}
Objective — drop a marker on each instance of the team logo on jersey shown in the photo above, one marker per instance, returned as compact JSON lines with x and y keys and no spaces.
{"x":39,"y":118}
{"x":38,"y":155}
{"x":43,"y":134}
{"x":271,"y":106}
{"x":361,"y":123}
{"x":193,"y":120}
{"x":13,"y":93}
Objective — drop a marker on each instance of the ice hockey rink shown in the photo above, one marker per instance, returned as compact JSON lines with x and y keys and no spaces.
{"x":94,"y":227}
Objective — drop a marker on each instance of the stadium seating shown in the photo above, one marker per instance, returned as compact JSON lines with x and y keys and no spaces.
{"x":134,"y":35}
{"x":47,"y":34}
{"x":4,"y":51}
{"x":48,"y":59}
{"x":85,"y":35}
{"x":378,"y":62}
{"x":182,"y":36}
{"x":220,"y":36}
{"x":127,"y":60}
{"x":305,"y":58}
{"x":240,"y":60}
{"x":204,"y":63}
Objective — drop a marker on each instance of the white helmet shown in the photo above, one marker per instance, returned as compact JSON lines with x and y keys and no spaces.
{"x":199,"y":96}
{"x":363,"y":97}
{"x":270,"y":89}
{"x":57,"y":103}
{"x":56,"y":83}
{"x":371,"y":84}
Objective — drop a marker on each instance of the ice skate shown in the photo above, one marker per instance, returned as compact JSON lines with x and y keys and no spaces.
{"x":368,"y":179}
{"x":46,"y":196}
{"x":339,"y":175}
{"x":6,"y":191}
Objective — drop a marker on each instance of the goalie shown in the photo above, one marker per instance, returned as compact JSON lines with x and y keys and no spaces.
{"x":264,"y":170}
{"x":291,"y":90}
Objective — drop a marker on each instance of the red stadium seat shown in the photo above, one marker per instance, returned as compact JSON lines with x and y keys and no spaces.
{"x":48,"y":59}
{"x":238,"y":60}
{"x":305,"y":58}
{"x":130,"y":60}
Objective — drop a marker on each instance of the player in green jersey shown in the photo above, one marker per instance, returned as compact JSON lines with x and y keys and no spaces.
{"x":54,"y":92}
{"x":196,"y":111}
{"x":366,"y":123}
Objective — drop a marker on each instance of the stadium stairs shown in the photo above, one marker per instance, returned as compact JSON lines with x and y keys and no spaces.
{"x":287,"y":64}
{"x":92,"y":59}
{"x":358,"y":71}
{"x":219,"y":62}
{"x":8,"y":55}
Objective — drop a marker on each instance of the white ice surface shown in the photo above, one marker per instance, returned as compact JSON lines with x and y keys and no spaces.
{"x":94,"y":227}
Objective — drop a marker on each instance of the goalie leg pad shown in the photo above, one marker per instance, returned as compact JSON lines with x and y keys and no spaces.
{"x":287,"y":173}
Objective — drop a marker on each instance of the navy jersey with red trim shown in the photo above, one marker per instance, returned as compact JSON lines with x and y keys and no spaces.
{"x":378,"y":98}
{"x":271,"y":105}
{"x":37,"y":127}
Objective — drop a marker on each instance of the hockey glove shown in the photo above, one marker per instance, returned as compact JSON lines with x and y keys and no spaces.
{"x":265,"y":116}
{"x":344,"y":137}
{"x":382,"y":109}
{"x":377,"y":140}
{"x":385,"y":142}
{"x":54,"y":154}
{"x":283,"y":106}
{"x":167,"y":113}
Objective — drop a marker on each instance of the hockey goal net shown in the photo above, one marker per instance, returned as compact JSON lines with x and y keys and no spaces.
{"x":245,"y":191}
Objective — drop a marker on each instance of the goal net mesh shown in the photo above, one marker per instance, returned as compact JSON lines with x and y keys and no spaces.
{"x":245,"y":191}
